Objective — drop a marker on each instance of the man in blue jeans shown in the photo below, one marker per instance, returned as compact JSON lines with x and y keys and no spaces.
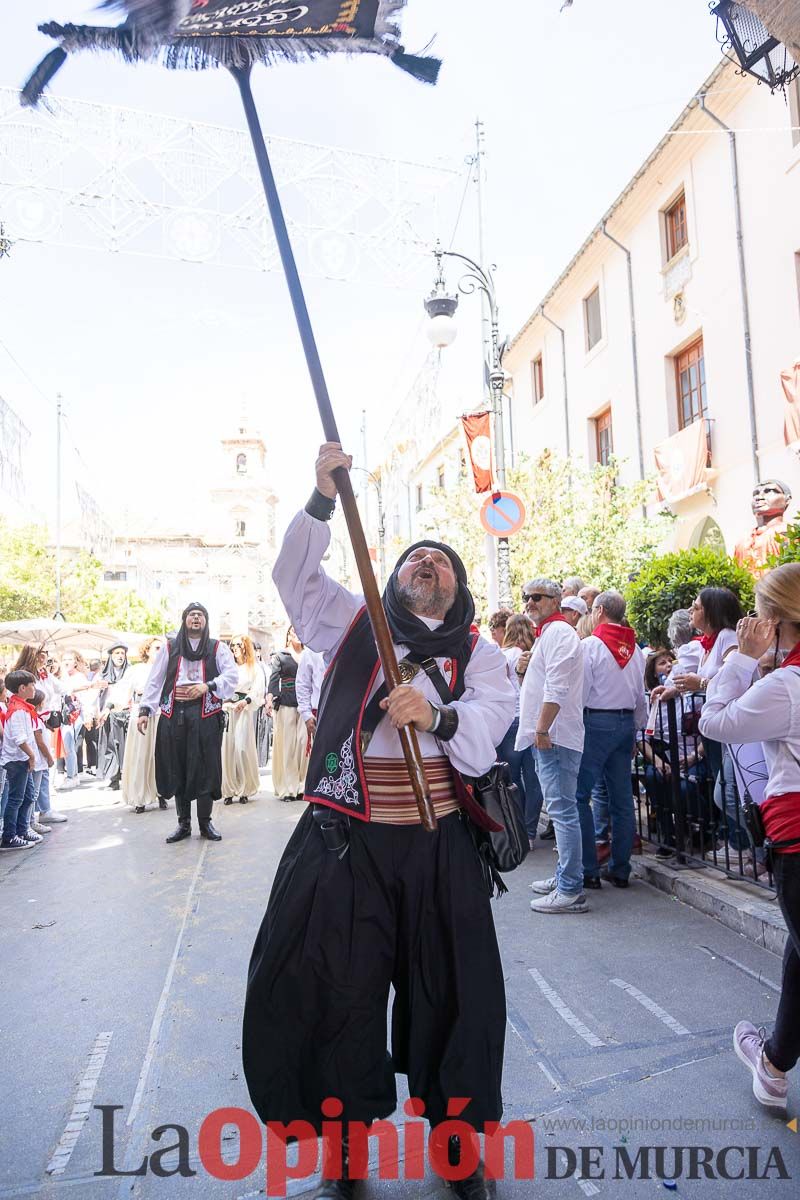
{"x":18,"y":758}
{"x":615,"y":707}
{"x":551,"y":720}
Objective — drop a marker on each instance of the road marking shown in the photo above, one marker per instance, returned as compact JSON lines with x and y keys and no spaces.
{"x":551,"y":1077}
{"x":734,"y":962}
{"x":81,"y":1106}
{"x":155,"y":1028}
{"x":651,"y":1006}
{"x":523,"y":1031}
{"x":563,"y":1011}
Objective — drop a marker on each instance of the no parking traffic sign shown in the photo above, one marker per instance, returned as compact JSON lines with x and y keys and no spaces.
{"x":502,"y":514}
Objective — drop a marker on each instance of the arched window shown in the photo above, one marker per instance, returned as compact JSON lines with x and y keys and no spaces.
{"x":708,"y":533}
{"x":241,"y":464}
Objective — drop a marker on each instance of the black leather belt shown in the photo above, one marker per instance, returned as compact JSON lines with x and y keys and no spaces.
{"x":620,"y":712}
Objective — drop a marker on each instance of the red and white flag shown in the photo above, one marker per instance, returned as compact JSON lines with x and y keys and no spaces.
{"x":478,"y":434}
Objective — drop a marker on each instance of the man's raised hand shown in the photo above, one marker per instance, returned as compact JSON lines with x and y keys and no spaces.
{"x":330,"y":458}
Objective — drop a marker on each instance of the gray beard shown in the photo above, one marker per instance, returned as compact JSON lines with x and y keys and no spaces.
{"x":425,"y":601}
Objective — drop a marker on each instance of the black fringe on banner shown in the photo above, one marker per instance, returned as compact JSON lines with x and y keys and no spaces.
{"x":148,"y":33}
{"x":47,"y":68}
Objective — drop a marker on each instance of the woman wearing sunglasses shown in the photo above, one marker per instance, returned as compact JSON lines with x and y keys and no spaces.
{"x":768,"y":711}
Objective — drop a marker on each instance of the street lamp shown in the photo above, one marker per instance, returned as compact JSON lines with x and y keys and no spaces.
{"x":376,"y":483}
{"x":440,"y":307}
{"x":757,"y":52}
{"x":441,"y":330}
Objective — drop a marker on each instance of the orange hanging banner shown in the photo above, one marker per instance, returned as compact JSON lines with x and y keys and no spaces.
{"x":478,"y":434}
{"x":790,"y":382}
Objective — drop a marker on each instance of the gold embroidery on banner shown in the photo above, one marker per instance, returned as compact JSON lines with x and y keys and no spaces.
{"x":349,"y":10}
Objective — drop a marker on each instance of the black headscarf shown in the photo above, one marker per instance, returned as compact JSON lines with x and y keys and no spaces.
{"x":111,"y":672}
{"x":450,"y":639}
{"x":182,"y":642}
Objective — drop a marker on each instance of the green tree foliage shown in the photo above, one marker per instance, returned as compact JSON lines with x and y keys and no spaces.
{"x":788,"y":546}
{"x":673,"y":580}
{"x":580,"y":521}
{"x":27,"y":586}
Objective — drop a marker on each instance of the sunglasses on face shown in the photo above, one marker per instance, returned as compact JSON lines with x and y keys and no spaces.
{"x":535,"y":597}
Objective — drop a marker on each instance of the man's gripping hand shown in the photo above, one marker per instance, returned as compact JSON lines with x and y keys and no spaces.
{"x":407,"y":706}
{"x":330,"y":458}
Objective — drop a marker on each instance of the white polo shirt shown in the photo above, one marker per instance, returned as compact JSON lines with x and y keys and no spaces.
{"x":609,"y":686}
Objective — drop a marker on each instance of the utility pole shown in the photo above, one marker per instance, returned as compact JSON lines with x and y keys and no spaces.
{"x":365,"y":464}
{"x":492,"y":369}
{"x":58,"y":503}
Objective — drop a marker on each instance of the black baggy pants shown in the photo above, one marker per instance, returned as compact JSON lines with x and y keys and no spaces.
{"x":405,"y":909}
{"x":189,"y":759}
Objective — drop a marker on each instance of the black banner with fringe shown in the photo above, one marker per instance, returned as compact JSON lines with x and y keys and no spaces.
{"x":280,"y":18}
{"x":235,"y":34}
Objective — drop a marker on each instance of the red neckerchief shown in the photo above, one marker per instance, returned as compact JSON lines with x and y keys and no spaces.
{"x":793,"y":657}
{"x":17,"y":704}
{"x":548,"y":620}
{"x":707,"y":641}
{"x":42,"y":674}
{"x":619,"y":639}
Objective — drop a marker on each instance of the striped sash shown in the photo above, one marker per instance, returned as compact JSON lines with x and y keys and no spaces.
{"x":392,"y":798}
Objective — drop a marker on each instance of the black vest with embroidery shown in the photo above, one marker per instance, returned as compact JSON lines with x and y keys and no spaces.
{"x":335,"y":775}
{"x":211,"y":703}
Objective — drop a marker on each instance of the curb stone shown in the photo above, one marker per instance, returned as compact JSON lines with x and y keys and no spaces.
{"x":742,"y":907}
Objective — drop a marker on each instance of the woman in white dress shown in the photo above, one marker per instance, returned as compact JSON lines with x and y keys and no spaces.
{"x":239,"y":752}
{"x":139,"y":765}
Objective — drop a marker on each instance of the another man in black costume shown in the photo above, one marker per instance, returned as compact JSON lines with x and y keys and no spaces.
{"x":364,"y":898}
{"x":191,"y":675}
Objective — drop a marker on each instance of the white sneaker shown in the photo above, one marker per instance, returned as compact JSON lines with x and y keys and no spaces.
{"x":38,"y":827}
{"x":68,"y":784}
{"x":543,"y":886}
{"x":54,"y":818}
{"x":558,"y":902}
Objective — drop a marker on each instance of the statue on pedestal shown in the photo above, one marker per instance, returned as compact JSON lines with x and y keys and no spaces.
{"x":770,"y":502}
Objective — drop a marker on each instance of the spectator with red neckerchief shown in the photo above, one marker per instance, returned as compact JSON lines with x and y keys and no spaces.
{"x":736,"y":711}
{"x":19,"y":759}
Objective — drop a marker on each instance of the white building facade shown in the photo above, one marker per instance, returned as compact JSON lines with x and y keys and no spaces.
{"x":663,"y":344}
{"x":225,"y":561}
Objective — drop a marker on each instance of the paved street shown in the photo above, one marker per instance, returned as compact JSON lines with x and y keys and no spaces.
{"x":124,"y":966}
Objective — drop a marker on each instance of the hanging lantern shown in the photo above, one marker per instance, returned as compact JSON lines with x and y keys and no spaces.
{"x":746,"y":40}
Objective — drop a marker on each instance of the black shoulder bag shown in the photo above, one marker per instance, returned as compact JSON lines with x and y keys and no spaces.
{"x":497,"y":794}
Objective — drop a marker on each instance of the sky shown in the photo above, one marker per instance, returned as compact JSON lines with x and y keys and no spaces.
{"x":154,"y":358}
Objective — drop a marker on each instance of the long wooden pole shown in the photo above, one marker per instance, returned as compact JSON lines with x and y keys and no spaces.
{"x":380,"y":628}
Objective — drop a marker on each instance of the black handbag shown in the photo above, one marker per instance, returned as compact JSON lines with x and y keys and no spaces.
{"x":498,"y":795}
{"x":500,"y":850}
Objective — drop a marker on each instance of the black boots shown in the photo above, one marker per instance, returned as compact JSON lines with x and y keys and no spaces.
{"x":338,"y":1189}
{"x":184,"y":830}
{"x":207,"y":830}
{"x":475,"y":1186}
